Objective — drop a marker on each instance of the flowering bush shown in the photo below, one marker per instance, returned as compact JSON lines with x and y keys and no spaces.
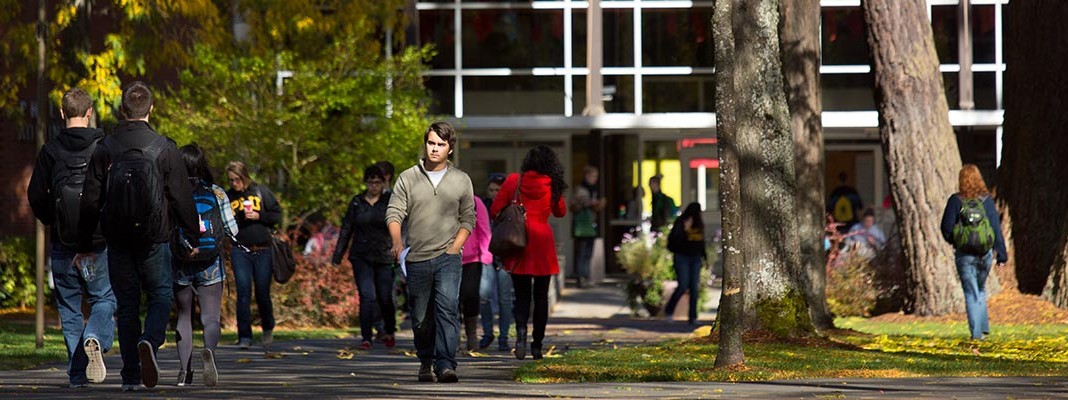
{"x":645,"y":256}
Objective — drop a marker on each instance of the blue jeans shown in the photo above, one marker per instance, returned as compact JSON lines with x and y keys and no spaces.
{"x":374,"y":282}
{"x":252,"y":268}
{"x":133,"y":269}
{"x":688,"y":274}
{"x":101,"y":326}
{"x":973,"y":271}
{"x":495,"y":291}
{"x":434,"y":292}
{"x":583,"y":254}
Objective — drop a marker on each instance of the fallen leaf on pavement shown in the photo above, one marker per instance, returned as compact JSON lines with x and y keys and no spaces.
{"x":345,"y":354}
{"x":274,"y":355}
{"x":243,"y":360}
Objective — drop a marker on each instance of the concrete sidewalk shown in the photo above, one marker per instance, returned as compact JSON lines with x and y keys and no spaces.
{"x":312,"y":369}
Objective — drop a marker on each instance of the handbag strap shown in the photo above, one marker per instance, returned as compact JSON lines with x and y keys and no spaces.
{"x":516,"y":199}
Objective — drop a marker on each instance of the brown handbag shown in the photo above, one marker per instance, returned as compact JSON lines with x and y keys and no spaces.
{"x":510,"y":227}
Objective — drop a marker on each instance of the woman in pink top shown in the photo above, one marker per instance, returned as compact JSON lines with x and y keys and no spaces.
{"x":475,"y":253}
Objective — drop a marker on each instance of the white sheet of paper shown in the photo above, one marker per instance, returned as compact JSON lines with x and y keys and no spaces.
{"x":403,"y":255}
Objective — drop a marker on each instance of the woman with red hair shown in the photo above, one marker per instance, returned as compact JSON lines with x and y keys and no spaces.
{"x":971,"y":224}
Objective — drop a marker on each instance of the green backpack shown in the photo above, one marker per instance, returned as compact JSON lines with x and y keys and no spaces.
{"x":972,"y":233}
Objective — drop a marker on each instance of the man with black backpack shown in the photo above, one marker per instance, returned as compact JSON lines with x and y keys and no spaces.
{"x":136,"y":184}
{"x":55,"y":195}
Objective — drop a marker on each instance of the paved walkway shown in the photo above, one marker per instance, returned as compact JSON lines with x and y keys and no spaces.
{"x":312,"y":369}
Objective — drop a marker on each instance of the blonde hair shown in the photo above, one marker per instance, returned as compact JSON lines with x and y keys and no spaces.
{"x":971,"y":182}
{"x":239,"y":168}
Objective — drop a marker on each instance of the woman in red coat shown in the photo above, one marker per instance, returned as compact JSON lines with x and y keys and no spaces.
{"x":541,"y":192}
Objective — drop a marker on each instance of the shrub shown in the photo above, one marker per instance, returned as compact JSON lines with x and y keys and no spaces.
{"x":646,"y":257}
{"x":850,"y":287}
{"x":18,"y":286}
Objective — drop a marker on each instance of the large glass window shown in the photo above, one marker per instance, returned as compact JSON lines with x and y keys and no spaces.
{"x":442,"y":94}
{"x":983,"y":92}
{"x":436,"y":27}
{"x":844,"y":37}
{"x":983,"y":34}
{"x":513,"y":95}
{"x":847,"y":92}
{"x":944,"y":27}
{"x":678,"y":94}
{"x":677,"y":37}
{"x":513,"y":38}
{"x":618,"y":34}
{"x":619,"y":93}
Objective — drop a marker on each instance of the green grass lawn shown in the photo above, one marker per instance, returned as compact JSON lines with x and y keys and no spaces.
{"x":17,"y":350}
{"x":874,"y":350}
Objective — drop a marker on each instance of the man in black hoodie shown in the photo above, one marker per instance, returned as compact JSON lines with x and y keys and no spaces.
{"x":136,"y":172}
{"x":54,"y":188}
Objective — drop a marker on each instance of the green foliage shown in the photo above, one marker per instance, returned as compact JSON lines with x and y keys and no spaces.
{"x":645,"y":256}
{"x":18,"y":286}
{"x":334,"y":117}
{"x":924,"y":349}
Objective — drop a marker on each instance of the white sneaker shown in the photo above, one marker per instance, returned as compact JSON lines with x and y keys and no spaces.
{"x":244,"y":343}
{"x":95,"y":371}
{"x":129,"y":387}
{"x":211,"y":373}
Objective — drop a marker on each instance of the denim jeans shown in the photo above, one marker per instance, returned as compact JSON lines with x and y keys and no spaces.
{"x":688,"y":274}
{"x":583,"y":254}
{"x":101,"y":326}
{"x":374,"y":282}
{"x":133,"y":269}
{"x":973,"y":271}
{"x":434,"y":292}
{"x":495,"y":291}
{"x":252,"y":268}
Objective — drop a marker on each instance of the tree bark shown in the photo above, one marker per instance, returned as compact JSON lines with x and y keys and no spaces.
{"x":800,"y":45}
{"x":1034,"y":167}
{"x":773,"y":300}
{"x":920,"y":147}
{"x":731,"y":325}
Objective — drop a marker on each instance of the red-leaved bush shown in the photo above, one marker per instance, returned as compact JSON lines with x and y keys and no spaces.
{"x":316,"y":296}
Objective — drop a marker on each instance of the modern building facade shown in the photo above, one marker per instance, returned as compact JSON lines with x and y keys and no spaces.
{"x":513,"y":74}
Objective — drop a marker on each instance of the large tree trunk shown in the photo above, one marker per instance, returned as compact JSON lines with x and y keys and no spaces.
{"x":731,"y":325}
{"x":773,"y":300}
{"x":1034,"y":166}
{"x":799,"y":38}
{"x":921,"y":150}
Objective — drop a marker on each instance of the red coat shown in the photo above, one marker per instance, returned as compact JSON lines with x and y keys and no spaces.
{"x":539,"y":258}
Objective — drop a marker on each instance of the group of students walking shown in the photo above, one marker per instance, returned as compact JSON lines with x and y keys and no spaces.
{"x":133,"y":215}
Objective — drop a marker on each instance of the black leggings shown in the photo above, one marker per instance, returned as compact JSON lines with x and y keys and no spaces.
{"x":523,"y":295}
{"x":470,"y":279}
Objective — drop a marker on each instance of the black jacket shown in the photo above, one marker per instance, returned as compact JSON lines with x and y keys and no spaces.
{"x":178,"y":195}
{"x":255,"y":232}
{"x":952,"y":212}
{"x":686,"y":242}
{"x":40,"y":191}
{"x":364,"y":226}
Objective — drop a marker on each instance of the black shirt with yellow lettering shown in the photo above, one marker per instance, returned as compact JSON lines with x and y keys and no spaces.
{"x":262,"y":200}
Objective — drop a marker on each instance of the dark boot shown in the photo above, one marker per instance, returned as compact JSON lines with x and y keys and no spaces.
{"x":520,"y":343}
{"x":471,"y":329}
{"x":535,"y":350}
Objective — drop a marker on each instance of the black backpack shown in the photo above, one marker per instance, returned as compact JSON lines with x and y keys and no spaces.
{"x":68,"y":178}
{"x":135,"y":204}
{"x":213,"y":232}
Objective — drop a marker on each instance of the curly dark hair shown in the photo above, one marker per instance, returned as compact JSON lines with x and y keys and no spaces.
{"x":543,"y":160}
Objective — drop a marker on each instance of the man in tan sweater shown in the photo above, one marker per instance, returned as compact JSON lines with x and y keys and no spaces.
{"x":437,"y":201}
